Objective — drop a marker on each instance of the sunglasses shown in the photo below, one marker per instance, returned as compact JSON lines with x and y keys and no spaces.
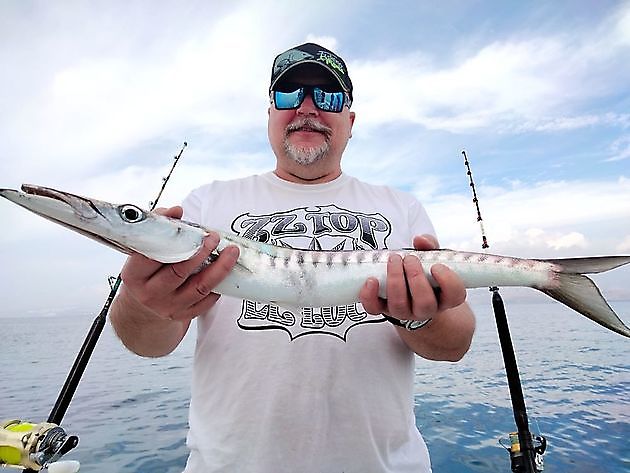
{"x":290,"y":98}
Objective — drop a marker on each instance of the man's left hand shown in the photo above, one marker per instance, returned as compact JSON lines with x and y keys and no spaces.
{"x":410,"y":296}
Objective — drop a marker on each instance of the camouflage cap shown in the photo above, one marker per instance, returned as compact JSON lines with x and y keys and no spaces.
{"x":314,"y":54}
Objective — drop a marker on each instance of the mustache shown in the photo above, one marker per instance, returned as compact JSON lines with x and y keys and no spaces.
{"x":308,"y":124}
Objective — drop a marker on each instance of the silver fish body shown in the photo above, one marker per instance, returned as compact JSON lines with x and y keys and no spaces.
{"x":301,"y":278}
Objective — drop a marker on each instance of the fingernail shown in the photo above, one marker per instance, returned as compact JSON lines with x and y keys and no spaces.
{"x":232,"y":252}
{"x":438,"y":269}
{"x":212,"y":240}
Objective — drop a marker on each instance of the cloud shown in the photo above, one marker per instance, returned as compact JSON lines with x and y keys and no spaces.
{"x":326,"y":41}
{"x":515,"y":84}
{"x":98,"y":104}
{"x":540,"y":219}
{"x":620,"y":149}
{"x":621,"y":120}
{"x":569,"y":240}
{"x":85,"y":93}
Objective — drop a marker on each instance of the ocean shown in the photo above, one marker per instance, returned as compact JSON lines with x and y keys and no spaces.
{"x":131,"y":413}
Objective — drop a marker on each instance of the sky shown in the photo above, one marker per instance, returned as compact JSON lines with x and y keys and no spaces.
{"x":98,"y":97}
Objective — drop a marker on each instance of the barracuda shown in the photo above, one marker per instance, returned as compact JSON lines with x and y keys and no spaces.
{"x":300,"y":278}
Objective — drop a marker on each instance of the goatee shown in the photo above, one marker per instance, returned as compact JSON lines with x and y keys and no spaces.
{"x":307,"y":155}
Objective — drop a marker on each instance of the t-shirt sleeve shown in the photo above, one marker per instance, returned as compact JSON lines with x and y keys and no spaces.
{"x":419,"y":221}
{"x":192,"y":206}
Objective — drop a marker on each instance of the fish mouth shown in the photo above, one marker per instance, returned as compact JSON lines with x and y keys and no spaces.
{"x":81,"y":206}
{"x":43,"y":191}
{"x":77,"y":213}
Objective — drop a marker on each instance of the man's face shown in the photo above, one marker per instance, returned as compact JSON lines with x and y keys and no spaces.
{"x":308,"y":135}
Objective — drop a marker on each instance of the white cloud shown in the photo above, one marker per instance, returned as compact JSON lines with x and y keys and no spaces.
{"x":537,"y":237}
{"x":544,"y":219}
{"x":562,"y":123}
{"x":86,"y":93}
{"x":326,"y":41}
{"x":517,"y":84}
{"x":569,"y":240}
{"x":100,"y":104}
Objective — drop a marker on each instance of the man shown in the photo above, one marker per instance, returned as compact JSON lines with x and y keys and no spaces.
{"x":280,"y":389}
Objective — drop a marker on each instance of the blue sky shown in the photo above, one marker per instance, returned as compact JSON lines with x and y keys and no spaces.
{"x":98,"y":96}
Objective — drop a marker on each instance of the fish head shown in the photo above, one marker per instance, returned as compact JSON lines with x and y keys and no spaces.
{"x":125,"y":227}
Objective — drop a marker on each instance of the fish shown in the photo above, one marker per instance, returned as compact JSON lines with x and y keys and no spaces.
{"x":308,"y":278}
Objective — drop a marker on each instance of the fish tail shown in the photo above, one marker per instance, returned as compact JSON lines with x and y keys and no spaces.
{"x":581,"y":294}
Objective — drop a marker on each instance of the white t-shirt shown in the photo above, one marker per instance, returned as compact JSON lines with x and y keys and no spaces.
{"x":324,"y":390}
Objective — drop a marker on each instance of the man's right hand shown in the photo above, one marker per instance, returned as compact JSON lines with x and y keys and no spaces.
{"x":157,"y":301}
{"x":175,"y":291}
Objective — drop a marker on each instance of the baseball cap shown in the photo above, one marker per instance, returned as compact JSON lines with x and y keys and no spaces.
{"x":314,"y":54}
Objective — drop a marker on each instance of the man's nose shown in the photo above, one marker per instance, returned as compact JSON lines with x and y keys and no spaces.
{"x":307,"y":107}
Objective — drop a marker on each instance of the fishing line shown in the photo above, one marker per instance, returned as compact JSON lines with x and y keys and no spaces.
{"x":524,"y":456}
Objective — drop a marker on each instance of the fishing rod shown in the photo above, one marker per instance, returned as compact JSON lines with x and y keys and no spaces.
{"x":525,"y":457}
{"x":37,"y":446}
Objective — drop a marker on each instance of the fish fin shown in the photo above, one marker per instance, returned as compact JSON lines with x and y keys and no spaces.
{"x":592,"y":265}
{"x":582,"y":295}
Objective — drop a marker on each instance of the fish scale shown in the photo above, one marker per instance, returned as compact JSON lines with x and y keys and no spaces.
{"x":303,"y":278}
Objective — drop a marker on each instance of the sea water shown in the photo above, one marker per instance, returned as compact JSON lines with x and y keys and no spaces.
{"x":131,"y":413}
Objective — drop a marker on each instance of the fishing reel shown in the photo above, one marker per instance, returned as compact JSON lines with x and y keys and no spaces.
{"x":33,"y":447}
{"x":517,"y":458}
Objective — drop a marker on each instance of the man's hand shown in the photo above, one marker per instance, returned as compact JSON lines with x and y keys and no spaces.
{"x":409,"y":293}
{"x":174,"y":291}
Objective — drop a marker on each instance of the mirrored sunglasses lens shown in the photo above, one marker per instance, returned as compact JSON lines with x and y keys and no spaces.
{"x":288,"y":100}
{"x":328,"y":101}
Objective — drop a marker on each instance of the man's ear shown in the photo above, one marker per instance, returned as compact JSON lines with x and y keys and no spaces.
{"x":352,"y":117}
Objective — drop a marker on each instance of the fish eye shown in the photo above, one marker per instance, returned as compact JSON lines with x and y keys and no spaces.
{"x":131,"y":213}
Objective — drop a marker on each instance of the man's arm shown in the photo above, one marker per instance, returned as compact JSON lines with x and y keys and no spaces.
{"x":141,"y":330}
{"x":157,"y":301}
{"x":410,"y":297}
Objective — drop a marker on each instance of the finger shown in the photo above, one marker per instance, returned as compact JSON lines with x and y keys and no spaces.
{"x":423,"y":300}
{"x":138,"y":269}
{"x":368,"y":296}
{"x":198,"y":308}
{"x":173,"y":212}
{"x":398,"y":304}
{"x":453,"y":291}
{"x":172,"y":276}
{"x":203,"y":283}
{"x":425,"y":242}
